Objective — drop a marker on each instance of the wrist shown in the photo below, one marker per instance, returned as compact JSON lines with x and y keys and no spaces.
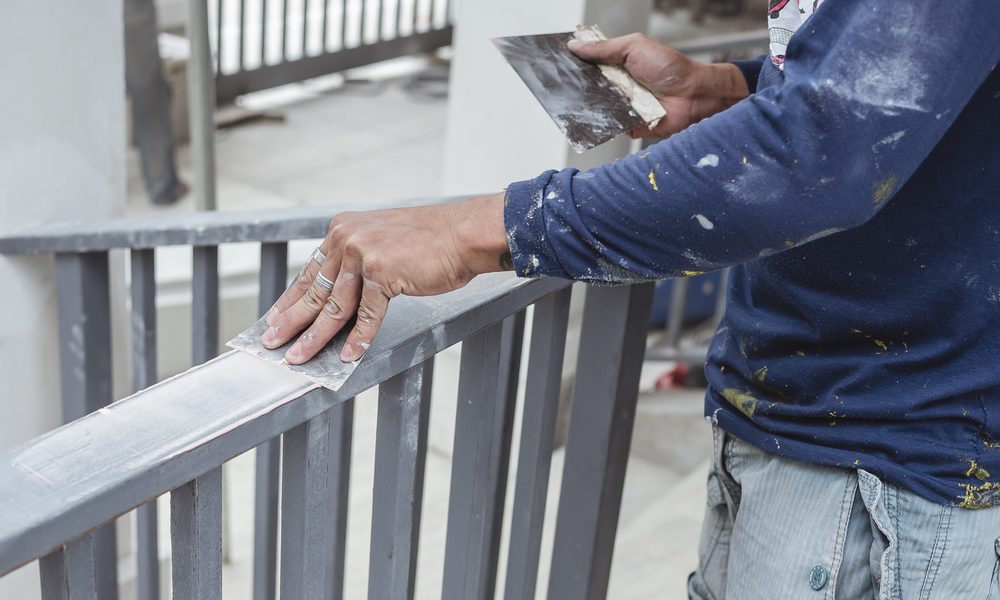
{"x":480,"y":235}
{"x":720,"y":86}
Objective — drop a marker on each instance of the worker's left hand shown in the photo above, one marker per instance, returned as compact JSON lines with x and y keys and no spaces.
{"x":371,"y":257}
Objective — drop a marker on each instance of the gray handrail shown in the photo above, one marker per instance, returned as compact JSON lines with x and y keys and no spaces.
{"x":79,"y":476}
{"x":209,"y":228}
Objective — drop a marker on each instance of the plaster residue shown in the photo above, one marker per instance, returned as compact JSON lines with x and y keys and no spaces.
{"x":644,"y":103}
{"x":709,"y":160}
{"x":704,"y":222}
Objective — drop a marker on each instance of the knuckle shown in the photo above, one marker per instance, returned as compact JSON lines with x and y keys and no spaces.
{"x":332,"y":308}
{"x":366,"y":316}
{"x":312,"y":299}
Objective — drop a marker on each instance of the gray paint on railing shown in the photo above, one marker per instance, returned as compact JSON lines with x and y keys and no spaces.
{"x":84,"y":474}
{"x":273,"y":274}
{"x":196,"y":538}
{"x":341,"y":436}
{"x":304,"y":499}
{"x":400,"y":455}
{"x":612,"y":342}
{"x":538,"y":428}
{"x":143,"y":289}
{"x":476,"y":488}
{"x":68,"y":572}
{"x":85,"y":368}
{"x":205,"y":304}
{"x":207,"y":228}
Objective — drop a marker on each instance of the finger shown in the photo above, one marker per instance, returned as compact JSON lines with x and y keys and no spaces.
{"x":287,"y":323}
{"x":295,"y":291}
{"x":608,"y":52}
{"x":338,"y":309}
{"x":371,"y":313}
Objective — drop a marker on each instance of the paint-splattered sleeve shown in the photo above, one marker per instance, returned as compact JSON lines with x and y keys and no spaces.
{"x":869,"y":89}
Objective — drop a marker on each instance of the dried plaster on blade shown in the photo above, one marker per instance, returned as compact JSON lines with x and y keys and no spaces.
{"x":643,"y":101}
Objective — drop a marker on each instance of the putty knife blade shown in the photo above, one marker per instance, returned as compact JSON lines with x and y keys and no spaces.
{"x":584,"y":104}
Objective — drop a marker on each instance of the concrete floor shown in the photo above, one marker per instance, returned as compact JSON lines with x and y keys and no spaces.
{"x":373,"y":140}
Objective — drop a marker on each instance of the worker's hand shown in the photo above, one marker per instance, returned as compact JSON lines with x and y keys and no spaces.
{"x":688,"y":90}
{"x":372,"y":257}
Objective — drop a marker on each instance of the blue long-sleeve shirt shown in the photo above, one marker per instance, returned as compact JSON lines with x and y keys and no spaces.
{"x":858,"y":194}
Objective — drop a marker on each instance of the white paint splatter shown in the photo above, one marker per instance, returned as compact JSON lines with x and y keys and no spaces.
{"x":552,"y":195}
{"x":709,"y":160}
{"x":704,"y":222}
{"x":889,"y":140}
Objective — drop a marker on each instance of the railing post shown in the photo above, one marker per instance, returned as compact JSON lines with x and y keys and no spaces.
{"x":85,"y":368}
{"x":273,"y":274}
{"x":143,"y":289}
{"x":400,"y":454}
{"x":201,"y":103}
{"x":612,"y":344}
{"x":341,"y":437}
{"x":538,"y":428}
{"x":483,"y":426}
{"x":196,"y":538}
{"x":304,"y":509}
{"x":68,"y":572}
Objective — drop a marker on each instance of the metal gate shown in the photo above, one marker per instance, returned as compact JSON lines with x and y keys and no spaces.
{"x":260,"y":44}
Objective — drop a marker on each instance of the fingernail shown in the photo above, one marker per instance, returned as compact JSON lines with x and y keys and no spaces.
{"x":575,"y":43}
{"x":347,"y":354}
{"x":269,"y":335}
{"x":294,"y":353}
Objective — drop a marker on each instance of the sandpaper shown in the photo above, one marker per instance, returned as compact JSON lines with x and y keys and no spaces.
{"x":588,"y":107}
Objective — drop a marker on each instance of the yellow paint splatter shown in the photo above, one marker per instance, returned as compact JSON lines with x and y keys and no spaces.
{"x":652,"y":180}
{"x":760,"y":375}
{"x":991,"y":443}
{"x":856,"y":462}
{"x":880,"y":344}
{"x":884,"y":189}
{"x":975,"y":470}
{"x":800,"y":353}
{"x":789,"y":244}
{"x":976,"y":497}
{"x":692,"y":273}
{"x":742,"y":401}
{"x":856,"y":331}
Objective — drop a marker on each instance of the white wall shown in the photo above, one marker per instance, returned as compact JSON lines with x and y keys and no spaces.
{"x":497,"y":131}
{"x":62,"y":155}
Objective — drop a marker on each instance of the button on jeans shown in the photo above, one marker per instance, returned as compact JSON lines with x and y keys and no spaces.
{"x":779,"y":529}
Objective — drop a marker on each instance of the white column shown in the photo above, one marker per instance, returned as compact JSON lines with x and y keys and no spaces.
{"x":62,"y":156}
{"x":497,"y":132}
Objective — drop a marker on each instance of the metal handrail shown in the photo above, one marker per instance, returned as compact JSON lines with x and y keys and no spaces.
{"x":85,"y":473}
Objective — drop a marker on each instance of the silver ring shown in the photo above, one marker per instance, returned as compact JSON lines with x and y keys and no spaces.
{"x":318,"y":256}
{"x":323,"y":282}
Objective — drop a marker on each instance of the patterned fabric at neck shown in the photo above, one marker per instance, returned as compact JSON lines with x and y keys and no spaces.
{"x":784,"y":17}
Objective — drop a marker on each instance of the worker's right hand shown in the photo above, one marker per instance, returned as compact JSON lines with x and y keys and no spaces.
{"x":688,"y":90}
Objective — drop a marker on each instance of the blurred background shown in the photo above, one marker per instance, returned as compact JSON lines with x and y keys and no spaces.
{"x":136,"y":108}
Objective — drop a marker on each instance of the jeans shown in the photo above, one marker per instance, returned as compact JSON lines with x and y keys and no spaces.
{"x":147,"y":87}
{"x":779,"y":529}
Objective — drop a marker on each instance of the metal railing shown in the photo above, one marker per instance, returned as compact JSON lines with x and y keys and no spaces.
{"x":261,"y":44}
{"x":63,"y":489}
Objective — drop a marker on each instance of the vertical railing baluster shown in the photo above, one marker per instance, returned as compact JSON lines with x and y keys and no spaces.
{"x":483,"y":425}
{"x":361,"y":23}
{"x":201,"y":102}
{"x":538,"y":428}
{"x":415,"y":16}
{"x":85,"y":368}
{"x":196,"y":538}
{"x":143,"y":290}
{"x":326,"y":19}
{"x":263,"y":32}
{"x":305,"y":26}
{"x":344,"y":25}
{"x":612,"y":344}
{"x":341,"y":437}
{"x":273,"y":275}
{"x":400,"y":455}
{"x":67,"y":573}
{"x":205,"y":304}
{"x":242,"y":33}
{"x":399,"y":19}
{"x":381,"y":21}
{"x":304,"y":509}
{"x":218,"y":35}
{"x":284,"y":30}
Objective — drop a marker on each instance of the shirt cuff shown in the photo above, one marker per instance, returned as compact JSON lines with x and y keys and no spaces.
{"x":751,"y":70}
{"x":525,"y":222}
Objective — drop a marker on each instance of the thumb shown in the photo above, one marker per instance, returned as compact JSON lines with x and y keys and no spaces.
{"x":608,"y":52}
